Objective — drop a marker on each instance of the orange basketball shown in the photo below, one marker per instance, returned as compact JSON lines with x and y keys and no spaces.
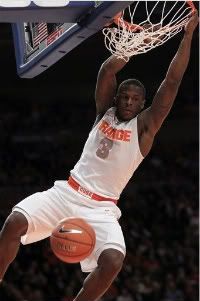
{"x":72,"y":240}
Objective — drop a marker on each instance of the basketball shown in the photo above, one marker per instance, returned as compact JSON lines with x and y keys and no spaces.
{"x":72,"y":240}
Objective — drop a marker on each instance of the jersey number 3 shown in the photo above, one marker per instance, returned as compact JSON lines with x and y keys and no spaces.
{"x":104,"y":147}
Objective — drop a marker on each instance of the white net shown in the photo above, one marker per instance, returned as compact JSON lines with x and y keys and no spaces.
{"x":161,"y":20}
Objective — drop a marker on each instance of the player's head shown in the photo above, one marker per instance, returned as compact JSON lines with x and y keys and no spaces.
{"x":130,"y":99}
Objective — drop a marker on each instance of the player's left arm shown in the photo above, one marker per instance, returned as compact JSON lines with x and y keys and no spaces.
{"x":154,"y":116}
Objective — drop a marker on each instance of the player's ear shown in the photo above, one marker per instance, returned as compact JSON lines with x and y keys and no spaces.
{"x":142,"y":104}
{"x":115,"y":100}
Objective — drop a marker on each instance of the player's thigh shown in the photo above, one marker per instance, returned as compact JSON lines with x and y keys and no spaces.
{"x":109,"y":235}
{"x":43,"y":210}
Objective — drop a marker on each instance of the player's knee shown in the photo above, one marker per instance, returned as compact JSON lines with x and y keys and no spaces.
{"x":111,"y":261}
{"x":15,"y":225}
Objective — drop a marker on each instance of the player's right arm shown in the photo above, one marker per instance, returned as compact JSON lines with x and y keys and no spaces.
{"x":107,"y":84}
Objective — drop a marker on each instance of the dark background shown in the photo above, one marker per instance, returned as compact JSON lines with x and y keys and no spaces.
{"x":44,"y":123}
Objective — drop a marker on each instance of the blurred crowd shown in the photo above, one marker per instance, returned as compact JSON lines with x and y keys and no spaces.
{"x":159,"y":211}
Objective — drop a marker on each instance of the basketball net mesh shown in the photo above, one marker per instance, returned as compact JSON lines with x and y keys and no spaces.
{"x":129,"y":39}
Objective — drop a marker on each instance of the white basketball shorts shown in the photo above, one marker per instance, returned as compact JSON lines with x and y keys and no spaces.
{"x":44,"y":210}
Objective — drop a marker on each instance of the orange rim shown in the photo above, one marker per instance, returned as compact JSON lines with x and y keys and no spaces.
{"x":134,"y":27}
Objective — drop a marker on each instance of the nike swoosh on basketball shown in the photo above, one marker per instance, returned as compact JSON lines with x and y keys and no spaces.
{"x":62,"y":230}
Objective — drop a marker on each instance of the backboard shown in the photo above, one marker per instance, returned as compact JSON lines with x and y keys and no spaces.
{"x":42,"y":36}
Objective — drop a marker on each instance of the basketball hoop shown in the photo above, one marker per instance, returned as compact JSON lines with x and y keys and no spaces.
{"x":161,"y":21}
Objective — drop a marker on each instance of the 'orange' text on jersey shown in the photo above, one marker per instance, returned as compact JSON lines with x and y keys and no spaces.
{"x":113,"y":133}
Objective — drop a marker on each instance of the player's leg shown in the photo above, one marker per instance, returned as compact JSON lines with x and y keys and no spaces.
{"x":14,"y":227}
{"x":106,"y":260}
{"x":32,"y":219}
{"x":96,"y":284}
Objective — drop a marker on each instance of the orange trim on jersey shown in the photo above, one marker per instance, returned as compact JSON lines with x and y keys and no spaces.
{"x":114,"y":134}
{"x":75,"y":185}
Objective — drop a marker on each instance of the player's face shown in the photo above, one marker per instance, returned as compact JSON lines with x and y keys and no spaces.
{"x":129,"y":102}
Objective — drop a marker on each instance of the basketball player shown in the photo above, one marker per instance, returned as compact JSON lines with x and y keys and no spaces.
{"x":120,"y":139}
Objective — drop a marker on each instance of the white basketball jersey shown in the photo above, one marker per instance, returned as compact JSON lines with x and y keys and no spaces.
{"x":110,"y":156}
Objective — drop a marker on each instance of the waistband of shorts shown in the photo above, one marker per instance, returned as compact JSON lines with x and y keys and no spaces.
{"x":84,"y":191}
